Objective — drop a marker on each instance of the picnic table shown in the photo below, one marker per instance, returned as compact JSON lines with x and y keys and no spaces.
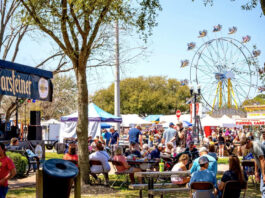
{"x":142,"y":164}
{"x":151,"y":175}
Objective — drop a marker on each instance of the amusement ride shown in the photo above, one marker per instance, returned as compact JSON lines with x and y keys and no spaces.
{"x":225,"y":68}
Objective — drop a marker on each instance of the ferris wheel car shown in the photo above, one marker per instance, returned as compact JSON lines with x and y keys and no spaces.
{"x":232,"y":30}
{"x":184,"y":63}
{"x":261,"y":89}
{"x":191,"y":45}
{"x":256,"y":53}
{"x":202,"y":33}
{"x":217,"y":28}
{"x":246,"y":39}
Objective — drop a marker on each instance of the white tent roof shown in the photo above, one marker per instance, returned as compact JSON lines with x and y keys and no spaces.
{"x":210,"y":121}
{"x":51,"y":121}
{"x":227,"y":122}
{"x":225,"y":119}
{"x":166,"y":119}
{"x":130,"y":119}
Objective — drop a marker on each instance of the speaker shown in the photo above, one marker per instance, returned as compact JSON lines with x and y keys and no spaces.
{"x":12,"y":133}
{"x":34,"y":133}
{"x":34,"y":117}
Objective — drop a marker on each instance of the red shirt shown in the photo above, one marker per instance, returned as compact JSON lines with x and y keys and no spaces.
{"x":6,"y":165}
{"x":122,"y":159}
{"x":74,"y":157}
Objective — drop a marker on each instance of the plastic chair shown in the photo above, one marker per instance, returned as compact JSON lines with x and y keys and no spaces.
{"x":232,"y":189}
{"x":250,"y":170}
{"x":201,"y":186}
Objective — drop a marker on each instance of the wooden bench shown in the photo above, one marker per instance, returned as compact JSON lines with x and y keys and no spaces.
{"x":142,"y":187}
{"x":166,"y":191}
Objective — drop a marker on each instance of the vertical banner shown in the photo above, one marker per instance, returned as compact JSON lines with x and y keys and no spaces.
{"x":198,"y":111}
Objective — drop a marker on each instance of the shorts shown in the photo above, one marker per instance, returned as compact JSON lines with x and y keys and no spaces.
{"x":221,"y":143}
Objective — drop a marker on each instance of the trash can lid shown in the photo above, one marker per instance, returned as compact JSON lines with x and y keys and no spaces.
{"x":60,"y":168}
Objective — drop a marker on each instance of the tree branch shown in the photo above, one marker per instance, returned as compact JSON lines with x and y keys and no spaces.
{"x":96,"y":27}
{"x":64,"y":29}
{"x":43,"y":28}
{"x":49,"y":58}
{"x":18,"y":42}
{"x":76,"y":20}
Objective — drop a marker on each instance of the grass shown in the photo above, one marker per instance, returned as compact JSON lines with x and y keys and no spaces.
{"x":29,"y":192}
{"x":50,"y":155}
{"x":123,"y":192}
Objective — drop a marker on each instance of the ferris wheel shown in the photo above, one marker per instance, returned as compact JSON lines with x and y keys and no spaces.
{"x":225,"y":68}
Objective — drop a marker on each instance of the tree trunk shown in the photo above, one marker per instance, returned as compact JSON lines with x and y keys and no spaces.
{"x":82,"y":124}
{"x":262,"y":3}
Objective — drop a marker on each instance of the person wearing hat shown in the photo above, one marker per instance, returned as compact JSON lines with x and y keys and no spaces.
{"x":212,"y":162}
{"x":258,"y":151}
{"x":169,"y":134}
{"x":204,"y":175}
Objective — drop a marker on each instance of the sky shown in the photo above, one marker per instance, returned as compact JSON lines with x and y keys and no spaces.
{"x":178,"y":24}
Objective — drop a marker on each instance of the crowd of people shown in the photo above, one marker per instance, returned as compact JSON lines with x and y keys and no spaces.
{"x":175,"y":146}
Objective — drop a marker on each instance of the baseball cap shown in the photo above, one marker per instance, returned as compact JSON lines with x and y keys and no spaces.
{"x":203,"y":160}
{"x":203,"y":149}
{"x":171,"y":123}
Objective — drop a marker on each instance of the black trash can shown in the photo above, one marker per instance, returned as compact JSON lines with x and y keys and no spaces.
{"x":58,"y":178}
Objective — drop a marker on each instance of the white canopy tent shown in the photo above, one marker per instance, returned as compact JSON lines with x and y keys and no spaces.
{"x":210,"y":121}
{"x":166,"y":119}
{"x":133,"y":119}
{"x":228,"y":122}
{"x":95,"y":116}
{"x":51,"y":121}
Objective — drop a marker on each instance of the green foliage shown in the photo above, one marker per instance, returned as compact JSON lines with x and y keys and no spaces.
{"x":145,"y":95}
{"x":258,"y":100}
{"x":20,"y":162}
{"x":249,"y":5}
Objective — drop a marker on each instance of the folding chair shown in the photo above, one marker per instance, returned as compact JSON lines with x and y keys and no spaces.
{"x":232,"y":189}
{"x":203,"y":186}
{"x":251,"y":170}
{"x":96,"y":163}
{"x":118,"y":174}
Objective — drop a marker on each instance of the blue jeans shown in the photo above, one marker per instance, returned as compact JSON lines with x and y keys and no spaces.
{"x":3,"y":191}
{"x":262,"y":187}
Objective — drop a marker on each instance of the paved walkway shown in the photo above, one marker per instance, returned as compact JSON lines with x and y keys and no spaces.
{"x":24,"y":182}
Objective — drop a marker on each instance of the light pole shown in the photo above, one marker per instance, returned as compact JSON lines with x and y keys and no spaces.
{"x":195,"y":94}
